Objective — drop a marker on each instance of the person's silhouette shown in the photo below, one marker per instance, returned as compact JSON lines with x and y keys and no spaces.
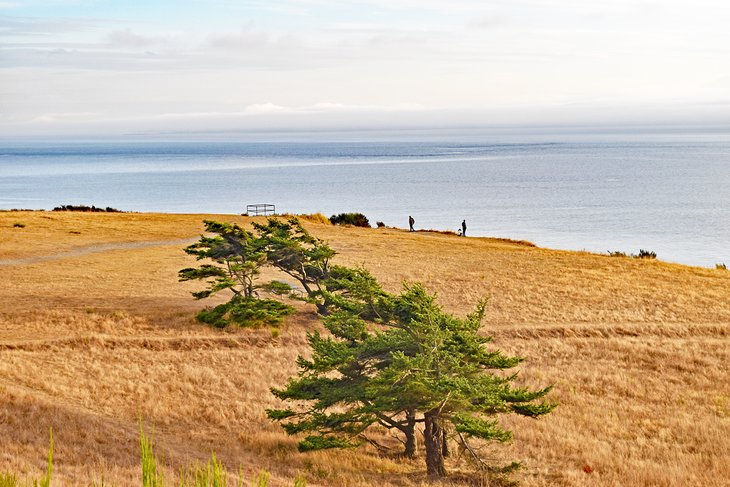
{"x":463,"y":228}
{"x":411,"y":221}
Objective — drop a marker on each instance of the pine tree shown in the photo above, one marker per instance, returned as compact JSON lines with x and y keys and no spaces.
{"x":398,"y":361}
{"x":237,"y":257}
{"x":293,"y":250}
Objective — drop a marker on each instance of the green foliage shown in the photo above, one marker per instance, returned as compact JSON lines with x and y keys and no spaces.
{"x":279,"y":288}
{"x":262,"y":479}
{"x":246,"y":312}
{"x":151,"y":473}
{"x":45,"y":481}
{"x":237,"y":255}
{"x":294,"y":251}
{"x":354,"y":219}
{"x":9,"y":480}
{"x":312,"y":443}
{"x":419,"y":364}
{"x":211,"y":474}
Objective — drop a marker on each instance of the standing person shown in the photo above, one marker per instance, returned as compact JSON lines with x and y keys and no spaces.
{"x":411,"y":221}
{"x":463,"y":228}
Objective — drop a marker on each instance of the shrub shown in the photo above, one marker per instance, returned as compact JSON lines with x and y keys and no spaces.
{"x":643,"y":254}
{"x":721,"y":267}
{"x":18,"y":225}
{"x":354,"y":219}
{"x":246,"y":312}
{"x":380,"y":224}
{"x":85,"y":208}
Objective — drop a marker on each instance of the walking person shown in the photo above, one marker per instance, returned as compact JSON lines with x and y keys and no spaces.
{"x":463,"y":228}
{"x":411,"y":221}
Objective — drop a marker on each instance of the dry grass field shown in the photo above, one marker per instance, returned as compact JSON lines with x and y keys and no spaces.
{"x":96,"y":332}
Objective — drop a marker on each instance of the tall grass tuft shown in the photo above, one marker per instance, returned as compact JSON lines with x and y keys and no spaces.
{"x":45,"y":481}
{"x":212,"y":474}
{"x":151,"y":473}
{"x":315,"y":218}
{"x":262,"y":479}
{"x":9,"y":480}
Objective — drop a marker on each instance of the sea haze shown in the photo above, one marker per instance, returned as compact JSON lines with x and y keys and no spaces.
{"x":668,"y":194}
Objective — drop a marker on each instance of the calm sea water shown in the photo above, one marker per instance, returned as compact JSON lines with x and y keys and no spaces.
{"x":668,"y":194}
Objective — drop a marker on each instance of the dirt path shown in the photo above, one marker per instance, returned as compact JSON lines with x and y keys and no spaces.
{"x":93,"y":249}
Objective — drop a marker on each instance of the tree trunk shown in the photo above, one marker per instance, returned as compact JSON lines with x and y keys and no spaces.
{"x":410,"y":432}
{"x":444,"y":444}
{"x":433,"y":436}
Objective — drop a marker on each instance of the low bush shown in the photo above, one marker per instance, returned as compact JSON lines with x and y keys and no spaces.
{"x":721,"y":267}
{"x":84,"y":208}
{"x":354,"y":219}
{"x":246,"y":312}
{"x":18,"y":225}
{"x":380,"y":224}
{"x":643,"y":254}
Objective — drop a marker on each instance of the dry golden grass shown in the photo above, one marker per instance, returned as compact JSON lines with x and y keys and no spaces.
{"x":95,"y":331}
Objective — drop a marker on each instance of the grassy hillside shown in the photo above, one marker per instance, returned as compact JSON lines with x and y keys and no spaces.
{"x":95,"y":331}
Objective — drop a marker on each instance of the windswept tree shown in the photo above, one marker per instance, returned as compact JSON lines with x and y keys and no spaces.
{"x":294,"y":251}
{"x":417,"y":365}
{"x":236,"y":257}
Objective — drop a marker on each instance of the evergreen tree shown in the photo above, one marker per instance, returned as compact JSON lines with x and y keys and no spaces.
{"x":294,"y":251}
{"x":399,"y":361}
{"x":238,"y":256}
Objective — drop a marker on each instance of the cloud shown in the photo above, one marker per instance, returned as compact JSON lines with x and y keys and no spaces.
{"x":490,"y":21}
{"x":266,"y":108}
{"x":248,"y":38}
{"x":128,"y":38}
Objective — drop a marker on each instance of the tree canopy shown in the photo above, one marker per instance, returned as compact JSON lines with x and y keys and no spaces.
{"x":398,"y":361}
{"x":393,"y":361}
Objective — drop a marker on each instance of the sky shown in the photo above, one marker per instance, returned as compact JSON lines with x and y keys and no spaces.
{"x":84,"y":67}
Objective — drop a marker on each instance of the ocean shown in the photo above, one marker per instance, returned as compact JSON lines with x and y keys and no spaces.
{"x":664,"y":193}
